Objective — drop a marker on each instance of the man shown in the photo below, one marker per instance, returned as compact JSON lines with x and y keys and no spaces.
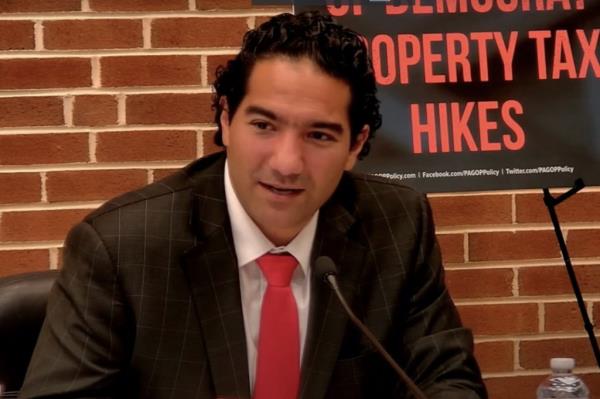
{"x":165,"y":292}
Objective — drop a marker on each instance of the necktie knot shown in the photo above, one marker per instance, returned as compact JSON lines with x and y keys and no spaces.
{"x":277,"y":269}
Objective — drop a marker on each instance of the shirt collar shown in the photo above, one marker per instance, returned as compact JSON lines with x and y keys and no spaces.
{"x":250,"y":242}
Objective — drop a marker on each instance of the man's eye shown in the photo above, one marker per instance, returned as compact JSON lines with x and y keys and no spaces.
{"x":320,"y":136}
{"x":261,"y":125}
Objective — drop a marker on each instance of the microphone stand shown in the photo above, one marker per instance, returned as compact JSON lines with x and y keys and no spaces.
{"x":551,"y":203}
{"x":411,"y":385}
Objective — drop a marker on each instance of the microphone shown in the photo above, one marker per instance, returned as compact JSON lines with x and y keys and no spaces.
{"x":325,"y":269}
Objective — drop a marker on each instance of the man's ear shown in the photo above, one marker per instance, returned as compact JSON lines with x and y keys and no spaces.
{"x":357,"y":147}
{"x":224,"y":119}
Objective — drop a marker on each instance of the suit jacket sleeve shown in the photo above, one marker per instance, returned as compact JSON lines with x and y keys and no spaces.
{"x":439,"y":350}
{"x":84,"y":341}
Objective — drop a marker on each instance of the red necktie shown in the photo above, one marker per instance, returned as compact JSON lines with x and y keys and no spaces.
{"x":278,"y":364}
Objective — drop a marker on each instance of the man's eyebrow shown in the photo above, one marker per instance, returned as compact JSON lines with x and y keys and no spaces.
{"x":254,"y":109}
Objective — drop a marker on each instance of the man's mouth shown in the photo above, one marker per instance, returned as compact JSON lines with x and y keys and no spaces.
{"x":282,"y":190}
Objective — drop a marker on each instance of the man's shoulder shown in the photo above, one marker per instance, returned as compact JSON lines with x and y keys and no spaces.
{"x":206,"y":171}
{"x":382,"y":189}
{"x":374,"y":199}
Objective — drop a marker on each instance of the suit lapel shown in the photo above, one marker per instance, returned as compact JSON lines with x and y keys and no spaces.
{"x":212,"y":272}
{"x":327,"y":320}
{"x":213,"y":276}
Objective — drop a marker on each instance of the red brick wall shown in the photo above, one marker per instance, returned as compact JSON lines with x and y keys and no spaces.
{"x":101,"y":96}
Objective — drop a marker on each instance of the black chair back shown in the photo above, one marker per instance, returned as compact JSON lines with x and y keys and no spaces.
{"x":23,"y":300}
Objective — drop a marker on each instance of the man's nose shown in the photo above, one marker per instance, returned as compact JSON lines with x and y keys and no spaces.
{"x":287,"y":158}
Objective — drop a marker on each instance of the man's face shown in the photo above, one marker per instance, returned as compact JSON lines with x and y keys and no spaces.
{"x":288,"y":144}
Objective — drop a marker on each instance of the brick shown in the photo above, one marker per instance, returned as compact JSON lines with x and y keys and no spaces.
{"x":95,"y":110}
{"x":61,"y":254}
{"x":138,"y":5}
{"x":223,"y":5}
{"x":169,"y":108}
{"x":595,"y":318}
{"x":518,"y":387}
{"x":20,"y":187}
{"x":146,"y":146}
{"x":31,"y":149}
{"x":45,"y":73}
{"x":554,"y":280}
{"x":584,"y":243}
{"x":583,"y":207}
{"x":23,"y":261}
{"x":198,"y":32}
{"x":501,"y":319}
{"x":591,"y":380}
{"x":160,"y":174}
{"x":537,"y":354}
{"x":513,"y":245}
{"x":16,"y":35}
{"x":471,"y":210}
{"x":452,"y":247}
{"x":240,"y":5}
{"x":495,"y":356}
{"x":562,"y":317}
{"x":174,"y":70}
{"x":39,"y":225}
{"x":39,"y":5}
{"x":482,"y":283}
{"x":213,"y":62}
{"x":596,"y":315}
{"x":92,"y":185}
{"x":31,"y":111}
{"x":93,"y":34}
{"x":208,"y":143}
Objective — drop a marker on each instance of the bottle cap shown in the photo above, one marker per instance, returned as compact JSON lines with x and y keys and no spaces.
{"x":562,"y":363}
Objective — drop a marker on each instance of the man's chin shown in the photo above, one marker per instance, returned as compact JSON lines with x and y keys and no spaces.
{"x":282,"y":225}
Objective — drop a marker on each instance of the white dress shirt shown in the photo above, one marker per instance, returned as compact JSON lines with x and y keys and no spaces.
{"x":250,"y":243}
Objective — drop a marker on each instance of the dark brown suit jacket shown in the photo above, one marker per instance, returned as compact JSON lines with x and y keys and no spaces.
{"x":148,"y":301}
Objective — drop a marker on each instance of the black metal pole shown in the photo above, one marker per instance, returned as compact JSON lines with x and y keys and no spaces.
{"x":551,"y":204}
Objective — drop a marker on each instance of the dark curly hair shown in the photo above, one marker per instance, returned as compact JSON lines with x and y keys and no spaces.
{"x":339,"y":52}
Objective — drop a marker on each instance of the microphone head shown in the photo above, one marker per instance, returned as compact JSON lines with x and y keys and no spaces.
{"x":325,"y":267}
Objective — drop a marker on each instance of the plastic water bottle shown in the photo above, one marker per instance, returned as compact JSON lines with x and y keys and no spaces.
{"x":562,"y":383}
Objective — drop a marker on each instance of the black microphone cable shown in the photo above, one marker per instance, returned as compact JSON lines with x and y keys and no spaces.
{"x":325,"y":268}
